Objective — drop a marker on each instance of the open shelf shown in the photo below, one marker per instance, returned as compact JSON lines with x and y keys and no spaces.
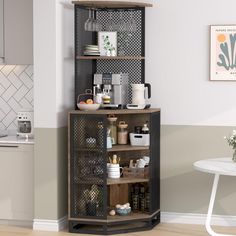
{"x":124,"y":148}
{"x":110,"y":58}
{"x":110,"y":219}
{"x":111,"y":4}
{"x":126,"y":181}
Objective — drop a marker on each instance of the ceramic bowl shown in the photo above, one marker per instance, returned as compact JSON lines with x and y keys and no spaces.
{"x":88,"y":107}
{"x":123,"y":212}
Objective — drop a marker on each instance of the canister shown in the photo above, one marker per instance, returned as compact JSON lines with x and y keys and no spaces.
{"x":122,"y":133}
{"x":112,"y":126}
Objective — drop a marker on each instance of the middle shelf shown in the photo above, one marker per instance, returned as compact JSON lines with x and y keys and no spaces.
{"x":115,"y":148}
{"x":110,"y":58}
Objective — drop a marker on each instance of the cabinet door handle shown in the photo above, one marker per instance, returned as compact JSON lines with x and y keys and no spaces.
{"x":8,"y":146}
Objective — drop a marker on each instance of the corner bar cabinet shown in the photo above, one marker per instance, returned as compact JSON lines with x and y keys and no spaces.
{"x":87,"y":173}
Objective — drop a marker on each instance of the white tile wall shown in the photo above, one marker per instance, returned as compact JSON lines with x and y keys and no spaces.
{"x":16,"y":93}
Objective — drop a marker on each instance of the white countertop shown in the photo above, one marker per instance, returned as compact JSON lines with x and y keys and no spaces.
{"x":13,"y":139}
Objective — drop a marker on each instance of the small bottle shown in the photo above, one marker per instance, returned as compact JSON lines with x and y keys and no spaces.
{"x":145,"y":129}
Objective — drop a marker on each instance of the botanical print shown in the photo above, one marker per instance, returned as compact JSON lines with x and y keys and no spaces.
{"x":107,"y":43}
{"x":223,"y":53}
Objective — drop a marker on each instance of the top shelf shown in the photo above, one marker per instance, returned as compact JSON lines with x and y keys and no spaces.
{"x":111,"y":4}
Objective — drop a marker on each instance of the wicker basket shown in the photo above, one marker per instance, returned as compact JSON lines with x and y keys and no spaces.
{"x":136,"y":172}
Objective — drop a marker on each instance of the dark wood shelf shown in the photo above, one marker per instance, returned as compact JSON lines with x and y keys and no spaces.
{"x":113,"y":219}
{"x":116,"y":112}
{"x":110,"y":4}
{"x":126,"y":181}
{"x":124,"y":148}
{"x":110,"y":58}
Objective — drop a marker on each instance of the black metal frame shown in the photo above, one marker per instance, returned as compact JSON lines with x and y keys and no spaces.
{"x":100,"y":224}
{"x":84,"y":69}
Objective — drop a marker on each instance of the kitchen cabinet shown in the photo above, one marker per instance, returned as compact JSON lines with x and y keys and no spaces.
{"x":18,"y":31}
{"x":16,"y":182}
{"x":1,"y":30}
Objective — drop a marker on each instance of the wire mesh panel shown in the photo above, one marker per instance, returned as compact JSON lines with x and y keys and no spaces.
{"x":88,"y":166}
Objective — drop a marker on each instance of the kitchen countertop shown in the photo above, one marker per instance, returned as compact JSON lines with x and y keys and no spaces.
{"x":13,"y":139}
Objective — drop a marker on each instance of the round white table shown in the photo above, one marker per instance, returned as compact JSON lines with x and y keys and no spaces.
{"x":218,"y":166}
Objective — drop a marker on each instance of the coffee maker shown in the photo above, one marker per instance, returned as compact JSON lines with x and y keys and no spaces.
{"x":116,"y":86}
{"x":25,"y":124}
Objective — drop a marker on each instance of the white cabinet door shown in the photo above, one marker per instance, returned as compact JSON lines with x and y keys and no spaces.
{"x":16,"y":182}
{"x":1,"y":30}
{"x":18,"y":31}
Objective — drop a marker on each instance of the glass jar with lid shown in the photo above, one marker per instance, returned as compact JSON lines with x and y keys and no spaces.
{"x":112,"y":126}
{"x":122,"y":133}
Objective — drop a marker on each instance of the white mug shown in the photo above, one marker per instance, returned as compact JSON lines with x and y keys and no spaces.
{"x":113,"y":171}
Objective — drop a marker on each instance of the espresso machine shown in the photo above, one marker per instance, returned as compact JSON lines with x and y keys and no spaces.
{"x":115,"y":86}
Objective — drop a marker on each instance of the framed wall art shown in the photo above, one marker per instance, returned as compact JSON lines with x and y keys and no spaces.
{"x":223,"y":53}
{"x":107,"y":42}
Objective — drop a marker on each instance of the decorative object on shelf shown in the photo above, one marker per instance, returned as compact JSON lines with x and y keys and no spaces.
{"x":114,"y":160}
{"x":85,"y":101}
{"x":223,"y":43}
{"x":91,"y":142}
{"x":91,"y":197}
{"x":109,"y":143}
{"x":232,"y":142}
{"x":123,"y":210}
{"x":91,"y":50}
{"x":139,"y":139}
{"x":122,"y":133}
{"x":145,"y":129}
{"x":112,"y":213}
{"x":113,"y":127}
{"x":133,"y":172}
{"x":107,"y":42}
{"x":113,"y":171}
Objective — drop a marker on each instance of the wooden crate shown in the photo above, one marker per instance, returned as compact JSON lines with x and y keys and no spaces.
{"x":136,"y":172}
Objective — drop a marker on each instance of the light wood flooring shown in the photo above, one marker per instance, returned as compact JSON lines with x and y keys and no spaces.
{"x":160,"y":230}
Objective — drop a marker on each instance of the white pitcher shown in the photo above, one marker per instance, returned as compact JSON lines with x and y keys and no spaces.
{"x":139,"y":95}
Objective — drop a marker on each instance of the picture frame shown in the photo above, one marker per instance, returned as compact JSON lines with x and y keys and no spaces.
{"x":223,"y":52}
{"x":107,"y":43}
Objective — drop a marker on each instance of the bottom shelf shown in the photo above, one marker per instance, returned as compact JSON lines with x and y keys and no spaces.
{"x":115,"y":224}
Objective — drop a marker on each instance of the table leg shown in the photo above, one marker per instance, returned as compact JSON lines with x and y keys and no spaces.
{"x":210,"y":209}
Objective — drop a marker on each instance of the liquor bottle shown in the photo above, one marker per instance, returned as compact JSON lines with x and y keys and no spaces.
{"x":142,"y":199}
{"x":135,"y":198}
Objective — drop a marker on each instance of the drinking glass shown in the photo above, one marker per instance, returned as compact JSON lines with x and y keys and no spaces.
{"x":88,"y":22}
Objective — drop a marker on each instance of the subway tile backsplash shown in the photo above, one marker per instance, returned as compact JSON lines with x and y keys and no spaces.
{"x":16,"y":93}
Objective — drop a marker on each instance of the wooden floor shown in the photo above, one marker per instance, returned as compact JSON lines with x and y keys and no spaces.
{"x":160,"y":230}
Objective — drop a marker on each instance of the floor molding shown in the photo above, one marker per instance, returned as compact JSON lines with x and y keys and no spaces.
{"x":50,"y":225}
{"x":191,"y":218}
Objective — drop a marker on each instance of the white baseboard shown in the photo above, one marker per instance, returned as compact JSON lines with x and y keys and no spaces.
{"x":191,"y":218}
{"x":50,"y":225}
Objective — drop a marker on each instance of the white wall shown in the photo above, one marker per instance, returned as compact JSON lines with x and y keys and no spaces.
{"x":53,"y":59}
{"x":177,"y":64}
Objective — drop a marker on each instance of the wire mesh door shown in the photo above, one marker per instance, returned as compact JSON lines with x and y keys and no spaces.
{"x":88,"y":166}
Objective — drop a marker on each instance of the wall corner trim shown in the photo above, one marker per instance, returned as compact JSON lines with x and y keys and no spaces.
{"x":50,"y":225}
{"x":192,"y":218}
